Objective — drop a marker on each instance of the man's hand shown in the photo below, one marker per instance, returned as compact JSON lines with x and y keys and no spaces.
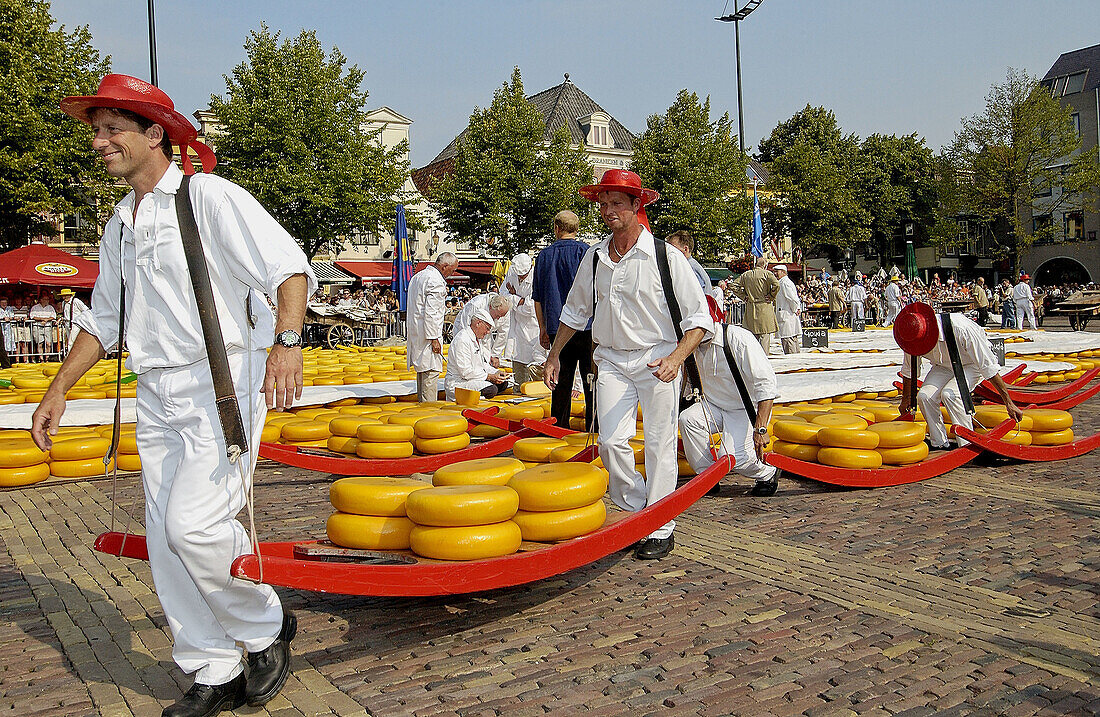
{"x":494,"y":362}
{"x":668,"y":368}
{"x":46,"y":419}
{"x":283,"y":378}
{"x":759,"y":440}
{"x":497,"y":378}
{"x":544,"y":340}
{"x":550,"y":371}
{"x":437,"y":348}
{"x":1014,"y":411}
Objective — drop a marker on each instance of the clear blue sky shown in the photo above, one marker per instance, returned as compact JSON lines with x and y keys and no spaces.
{"x":888,"y":66}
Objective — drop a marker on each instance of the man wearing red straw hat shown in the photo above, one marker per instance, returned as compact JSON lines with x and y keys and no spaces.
{"x":195,"y":481}
{"x":638,"y":354}
{"x":965,"y":353}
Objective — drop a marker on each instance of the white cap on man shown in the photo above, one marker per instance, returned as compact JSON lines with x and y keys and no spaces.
{"x":522,"y":263}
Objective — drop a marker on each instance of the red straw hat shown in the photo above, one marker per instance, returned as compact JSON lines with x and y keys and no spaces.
{"x":129,"y":93}
{"x":620,"y":180}
{"x":916,"y":329}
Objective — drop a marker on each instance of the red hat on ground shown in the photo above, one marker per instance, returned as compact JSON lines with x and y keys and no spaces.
{"x":129,"y":93}
{"x":916,"y":329}
{"x":620,"y":180}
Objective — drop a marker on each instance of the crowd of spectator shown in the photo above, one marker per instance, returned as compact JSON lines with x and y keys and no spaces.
{"x":35,"y":326}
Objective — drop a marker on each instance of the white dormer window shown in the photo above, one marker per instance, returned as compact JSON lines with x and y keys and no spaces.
{"x":597,"y":127}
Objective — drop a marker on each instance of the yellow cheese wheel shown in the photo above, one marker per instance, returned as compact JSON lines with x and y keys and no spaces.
{"x":904,"y":455}
{"x":1049,"y":419}
{"x":550,"y":526}
{"x":384,"y":433}
{"x":305,"y":430}
{"x":809,"y":415}
{"x":847,"y":438}
{"x":1052,"y":438}
{"x":360,"y":410}
{"x":342,"y":444}
{"x":521,"y":411}
{"x":990,"y":416}
{"x":10,"y":398}
{"x":81,"y":393}
{"x":433,"y":446}
{"x":442,"y":427}
{"x":20,"y":452}
{"x":854,"y":410}
{"x":683,"y":468}
{"x":796,"y":431}
{"x":477,"y":542}
{"x":467,"y":397}
{"x":24,"y":475}
{"x":801,"y":451}
{"x":844,"y":398}
{"x":319,"y":443}
{"x":534,"y":388}
{"x":15,"y":433}
{"x":452,"y":505}
{"x":270,"y":433}
{"x":563,"y":454}
{"x":342,"y":402}
{"x":480,"y":471}
{"x":536,"y":450}
{"x":348,"y":425}
{"x":79,"y":468}
{"x":373,"y":495}
{"x":898,"y":434}
{"x":31,"y":381}
{"x":75,"y":432}
{"x":581,"y":439}
{"x":312,"y":412}
{"x":408,"y":418}
{"x":840,"y":420}
{"x":78,"y":449}
{"x":1019,"y":438}
{"x":130,"y":462}
{"x":849,"y":458}
{"x":279,"y":418}
{"x":559,"y":486}
{"x":369,"y":532}
{"x":378,"y":450}
{"x":480,"y":430}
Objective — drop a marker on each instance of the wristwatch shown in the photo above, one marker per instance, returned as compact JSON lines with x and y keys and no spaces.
{"x":763,"y":430}
{"x":288,"y":338}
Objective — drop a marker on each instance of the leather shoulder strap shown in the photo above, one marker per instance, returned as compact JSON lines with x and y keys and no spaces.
{"x":956,"y":363}
{"x":661,"y":250}
{"x":750,"y":407}
{"x":225,"y":397}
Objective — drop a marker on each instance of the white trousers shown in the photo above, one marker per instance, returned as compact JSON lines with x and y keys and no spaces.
{"x":736,"y":432}
{"x":857,"y":311}
{"x":192,"y":496}
{"x":1025,"y":310}
{"x":623,"y":382}
{"x":893,"y":308}
{"x":940,"y":387}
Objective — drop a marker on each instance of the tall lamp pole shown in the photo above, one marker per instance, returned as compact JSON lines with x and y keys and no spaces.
{"x":152,"y":46}
{"x":736,"y":18}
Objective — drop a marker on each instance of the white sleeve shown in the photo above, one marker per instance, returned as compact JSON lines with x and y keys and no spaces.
{"x":101,"y":320}
{"x":756,"y":369}
{"x":435,"y":306}
{"x":694,"y":311}
{"x":579,"y":306}
{"x":464,"y":360}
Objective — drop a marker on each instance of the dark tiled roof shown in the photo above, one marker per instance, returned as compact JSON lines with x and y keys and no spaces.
{"x":560,"y":106}
{"x":759,"y":170}
{"x":1077,"y":61}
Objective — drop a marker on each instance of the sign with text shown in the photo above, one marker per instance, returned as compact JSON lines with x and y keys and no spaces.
{"x":859,"y":324}
{"x":816,"y":338}
{"x":999,"y":350}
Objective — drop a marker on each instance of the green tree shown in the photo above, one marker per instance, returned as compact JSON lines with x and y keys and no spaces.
{"x":698,"y":168}
{"x":292,"y":133}
{"x":47,"y":166}
{"x":507,"y":181}
{"x":897,"y":184}
{"x":1021,"y":155}
{"x":813,"y":167}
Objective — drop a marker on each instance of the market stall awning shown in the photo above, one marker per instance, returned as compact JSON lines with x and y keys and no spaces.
{"x":382,"y":271}
{"x":328,"y":273}
{"x":473,"y":267}
{"x":43,"y":265}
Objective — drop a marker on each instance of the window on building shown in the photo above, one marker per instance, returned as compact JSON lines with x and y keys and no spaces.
{"x":1074,"y":225}
{"x":75,"y":227}
{"x":1059,"y":86}
{"x":1075,"y":122}
{"x":1075,"y":83}
{"x":1041,"y":223}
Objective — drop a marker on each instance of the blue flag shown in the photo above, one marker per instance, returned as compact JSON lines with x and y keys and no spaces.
{"x":757,"y":248}
{"x":402,"y":261}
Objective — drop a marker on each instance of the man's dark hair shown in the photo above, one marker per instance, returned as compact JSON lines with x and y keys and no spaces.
{"x":143,"y":122}
{"x":683,"y":237}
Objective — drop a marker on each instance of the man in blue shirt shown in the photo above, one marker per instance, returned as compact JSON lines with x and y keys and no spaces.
{"x":683,"y":241}
{"x":554,"y":273}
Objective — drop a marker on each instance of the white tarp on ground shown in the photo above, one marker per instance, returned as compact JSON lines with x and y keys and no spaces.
{"x":1037,"y":341}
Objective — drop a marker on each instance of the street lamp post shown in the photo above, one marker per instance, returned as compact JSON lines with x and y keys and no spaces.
{"x":736,"y":18}
{"x":152,"y":46}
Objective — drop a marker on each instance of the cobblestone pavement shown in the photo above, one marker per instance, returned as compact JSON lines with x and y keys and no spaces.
{"x":972,"y":593}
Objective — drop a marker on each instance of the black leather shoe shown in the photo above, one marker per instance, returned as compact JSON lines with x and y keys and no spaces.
{"x":716,"y":490}
{"x":655,"y":548}
{"x":949,"y":446}
{"x":764,"y":488}
{"x":208,"y":700}
{"x":268,"y":668}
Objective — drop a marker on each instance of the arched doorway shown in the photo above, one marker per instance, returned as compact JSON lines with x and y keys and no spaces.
{"x":1061,"y":270}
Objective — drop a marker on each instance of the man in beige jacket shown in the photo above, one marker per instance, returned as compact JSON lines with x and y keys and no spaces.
{"x":758,"y":288}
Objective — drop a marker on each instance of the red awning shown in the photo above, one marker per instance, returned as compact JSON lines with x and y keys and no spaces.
{"x":43,"y":265}
{"x":470,"y":266}
{"x":382,"y":271}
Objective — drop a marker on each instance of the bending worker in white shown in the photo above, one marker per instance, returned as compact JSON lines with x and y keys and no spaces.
{"x":722,"y":408}
{"x":788,"y":312}
{"x":1024,"y":298}
{"x":637,"y":353}
{"x":893,"y":300}
{"x":468,"y":364}
{"x":427,"y":298}
{"x":193,"y":492}
{"x":919,"y":332}
{"x":856,"y":296}
{"x":523,"y":325}
{"x":497,"y":306}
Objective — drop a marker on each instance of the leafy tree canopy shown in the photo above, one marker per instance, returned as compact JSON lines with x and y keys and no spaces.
{"x":897,"y":185}
{"x":293,"y":134}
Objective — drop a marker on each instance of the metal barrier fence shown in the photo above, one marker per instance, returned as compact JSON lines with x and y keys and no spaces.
{"x":28,"y":340}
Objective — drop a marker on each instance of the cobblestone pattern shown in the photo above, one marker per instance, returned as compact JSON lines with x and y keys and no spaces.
{"x":972,"y":593}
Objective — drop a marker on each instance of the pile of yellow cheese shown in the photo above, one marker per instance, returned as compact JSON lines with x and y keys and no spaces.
{"x":1038,"y":427}
{"x":861,"y":433}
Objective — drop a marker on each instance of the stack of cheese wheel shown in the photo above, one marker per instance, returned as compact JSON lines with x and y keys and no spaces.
{"x":576,"y":415}
{"x":127,"y":455}
{"x":441,"y":434}
{"x":480,"y":471}
{"x":560,"y":501}
{"x":1050,"y":427}
{"x":384,"y":440}
{"x":273,"y":425}
{"x":795,"y":437}
{"x":900,"y":442}
{"x":845,"y":441}
{"x":370,"y":512}
{"x":574,"y":444}
{"x":345,"y":431}
{"x":986,"y":417}
{"x":464,"y":522}
{"x":21,"y":462}
{"x":536,"y":450}
{"x":78,"y":453}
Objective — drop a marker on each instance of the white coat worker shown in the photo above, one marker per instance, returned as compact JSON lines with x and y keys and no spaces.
{"x":71,"y":308}
{"x":788,"y":312}
{"x":893,"y":300}
{"x":523,"y":324}
{"x":468,"y":364}
{"x":637,"y":354}
{"x":919,"y":332}
{"x":193,"y":491}
{"x":723,"y":410}
{"x":427,"y":298}
{"x":498,"y":306}
{"x":1024,"y":299}
{"x":856,"y":296}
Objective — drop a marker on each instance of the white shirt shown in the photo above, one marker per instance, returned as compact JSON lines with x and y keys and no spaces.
{"x":72,"y":308}
{"x":893,"y":292}
{"x":467,"y":363}
{"x":1021,"y":293}
{"x":427,"y":298}
{"x":856,"y":293}
{"x":975,"y":350}
{"x":497,"y":339}
{"x":719,"y":386}
{"x":787,"y":309}
{"x":38,"y":311}
{"x":523,"y":325}
{"x":246,"y":250}
{"x":631,"y":312}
